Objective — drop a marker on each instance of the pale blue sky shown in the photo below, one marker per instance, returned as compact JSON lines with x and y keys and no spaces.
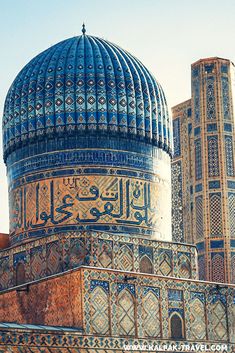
{"x":166,"y":35}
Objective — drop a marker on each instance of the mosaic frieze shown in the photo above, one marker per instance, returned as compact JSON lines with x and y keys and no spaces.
{"x":58,"y":253}
{"x":54,"y":342}
{"x":96,"y":157}
{"x":90,"y":200}
{"x":198,"y":307}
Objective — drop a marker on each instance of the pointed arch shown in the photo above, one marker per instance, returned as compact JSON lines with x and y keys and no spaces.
{"x":126,"y":313}
{"x":218,"y":268}
{"x":218,"y":320}
{"x":20,"y":273}
{"x":146,"y":265}
{"x":125,"y":258}
{"x":197,"y":319}
{"x":151,"y":314}
{"x":165,"y":263}
{"x":176,"y":326}
{"x":184,"y":267}
{"x":105,"y":254}
{"x":100,"y":311}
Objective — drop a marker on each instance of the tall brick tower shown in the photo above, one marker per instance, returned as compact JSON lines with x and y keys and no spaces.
{"x":205,"y":150}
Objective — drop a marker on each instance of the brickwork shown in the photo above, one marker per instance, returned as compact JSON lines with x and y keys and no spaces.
{"x":100,"y":302}
{"x":206,"y":158}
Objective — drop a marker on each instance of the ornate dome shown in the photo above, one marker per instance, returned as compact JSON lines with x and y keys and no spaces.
{"x":85,"y":84}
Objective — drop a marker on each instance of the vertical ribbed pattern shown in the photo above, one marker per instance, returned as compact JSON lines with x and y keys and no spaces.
{"x":85,"y":84}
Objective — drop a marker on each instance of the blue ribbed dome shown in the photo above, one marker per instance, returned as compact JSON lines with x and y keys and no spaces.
{"x":85,"y":84}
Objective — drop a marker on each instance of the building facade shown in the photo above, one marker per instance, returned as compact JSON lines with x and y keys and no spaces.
{"x":204,"y":161}
{"x":89,"y":264}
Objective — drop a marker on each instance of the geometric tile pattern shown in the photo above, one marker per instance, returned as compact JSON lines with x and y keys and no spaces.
{"x":218,"y":267}
{"x":176,"y":131}
{"x":198,"y":319}
{"x":4,"y":273}
{"x":213,"y":156}
{"x":165,"y":266}
{"x":131,"y":299}
{"x":198,"y":159}
{"x":184,"y":266}
{"x":53,"y":258}
{"x":69,"y":95}
{"x":199,"y":216}
{"x":215,"y":215}
{"x":78,"y":252}
{"x":126,"y":260}
{"x":197,"y":100}
{"x":231,"y":205}
{"x":177,"y":207}
{"x":47,"y":256}
{"x":105,"y":254}
{"x":219,"y":321}
{"x":226,"y":98}
{"x":229,"y":155}
{"x":126,"y":313}
{"x":181,"y":178}
{"x":201,"y":265}
{"x":157,"y":313}
{"x":210,"y":91}
{"x":151,"y":315}
{"x":99,"y":311}
{"x":207,"y":154}
{"x":38,"y":264}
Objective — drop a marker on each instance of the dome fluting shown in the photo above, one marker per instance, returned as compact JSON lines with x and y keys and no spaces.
{"x":85,"y":84}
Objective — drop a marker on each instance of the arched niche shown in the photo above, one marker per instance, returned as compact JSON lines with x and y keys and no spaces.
{"x":176,"y":326}
{"x":20,"y":274}
{"x":146,"y":265}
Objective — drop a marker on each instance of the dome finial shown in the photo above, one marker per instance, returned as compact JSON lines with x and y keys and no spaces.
{"x":83,"y":29}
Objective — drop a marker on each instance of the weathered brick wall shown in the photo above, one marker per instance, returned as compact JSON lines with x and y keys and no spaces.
{"x":55,"y":301}
{"x":4,"y":241}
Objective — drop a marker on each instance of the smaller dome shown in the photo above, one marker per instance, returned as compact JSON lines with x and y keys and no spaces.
{"x":85,"y":84}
